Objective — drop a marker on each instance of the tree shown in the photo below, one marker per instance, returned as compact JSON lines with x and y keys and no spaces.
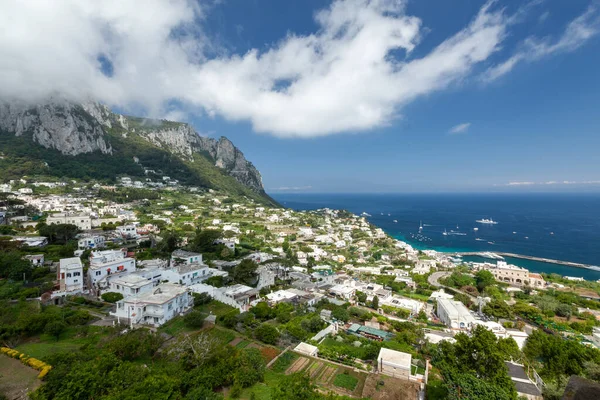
{"x":341,"y":314}
{"x":267,"y":333}
{"x":483,"y":279}
{"x":262,"y":311}
{"x":422,"y":316}
{"x":194,"y":319}
{"x":466,"y":386}
{"x":478,"y":356}
{"x":112,"y":297}
{"x":361,"y":297}
{"x":295,"y":387}
{"x":169,"y":243}
{"x":498,"y":309}
{"x":245,"y":271}
{"x":375,"y":303}
{"x":201,"y":299}
{"x":55,"y":328}
{"x":251,"y":368}
{"x":204,"y":241}
{"x":58,"y":233}
{"x":564,"y":310}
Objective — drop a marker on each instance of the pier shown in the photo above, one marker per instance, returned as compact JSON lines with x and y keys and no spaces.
{"x":532,"y":258}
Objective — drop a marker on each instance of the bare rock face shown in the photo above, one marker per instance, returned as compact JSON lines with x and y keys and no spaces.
{"x":183,"y":140}
{"x":76,"y":129}
{"x":180,"y":139}
{"x":62,"y":126}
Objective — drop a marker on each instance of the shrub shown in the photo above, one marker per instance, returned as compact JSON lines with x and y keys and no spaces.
{"x":267,"y":333}
{"x":194,"y":319}
{"x":112,"y":297}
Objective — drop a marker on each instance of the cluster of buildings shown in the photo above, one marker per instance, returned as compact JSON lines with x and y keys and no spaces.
{"x":152,"y":294}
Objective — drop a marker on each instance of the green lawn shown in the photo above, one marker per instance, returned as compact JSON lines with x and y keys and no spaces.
{"x":68,"y":342}
{"x":262,"y":390}
{"x":345,"y":381}
{"x":221,"y":334}
{"x":214,"y":307}
{"x":175,"y":326}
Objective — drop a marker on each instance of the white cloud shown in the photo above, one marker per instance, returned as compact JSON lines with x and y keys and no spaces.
{"x":460,"y":128}
{"x":550,"y":183}
{"x":577,"y":32}
{"x":291,"y":188}
{"x":354,"y":73}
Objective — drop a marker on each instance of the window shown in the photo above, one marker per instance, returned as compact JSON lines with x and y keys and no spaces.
{"x":68,"y":274}
{"x":98,"y":273}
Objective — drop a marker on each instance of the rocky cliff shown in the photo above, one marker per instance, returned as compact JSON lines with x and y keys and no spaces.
{"x":77,"y":129}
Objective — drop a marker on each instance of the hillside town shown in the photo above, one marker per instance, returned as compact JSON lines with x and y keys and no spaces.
{"x":322,"y":292}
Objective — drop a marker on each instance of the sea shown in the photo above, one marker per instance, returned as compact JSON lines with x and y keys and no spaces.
{"x":555,"y":226}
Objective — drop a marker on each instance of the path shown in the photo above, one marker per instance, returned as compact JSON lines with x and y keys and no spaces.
{"x":434,"y":278}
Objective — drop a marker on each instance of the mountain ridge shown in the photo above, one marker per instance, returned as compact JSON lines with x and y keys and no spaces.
{"x":89,"y":134}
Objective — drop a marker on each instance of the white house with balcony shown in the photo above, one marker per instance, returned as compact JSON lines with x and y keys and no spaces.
{"x":130,"y":285}
{"x":128,"y":231}
{"x":107,"y":262}
{"x":91,"y":242}
{"x":156,"y":307}
{"x":70,"y":275}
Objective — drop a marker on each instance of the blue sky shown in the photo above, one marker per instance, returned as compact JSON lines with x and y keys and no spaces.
{"x":349,"y":95}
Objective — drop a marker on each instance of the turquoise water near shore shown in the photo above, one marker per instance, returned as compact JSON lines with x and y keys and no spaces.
{"x":556,"y":226}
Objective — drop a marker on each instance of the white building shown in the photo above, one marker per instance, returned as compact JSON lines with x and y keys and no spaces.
{"x":91,"y":242}
{"x":454,"y":314}
{"x":394,"y":363}
{"x":128,"y":231}
{"x":186,"y":268}
{"x":107,"y":262}
{"x":307,"y":349}
{"x":82,"y":221}
{"x":37,"y":260}
{"x":513,"y":274}
{"x":423,"y":267}
{"x":70,"y":275}
{"x":185,"y":257}
{"x":343,"y":291}
{"x":156,"y":307}
{"x":130,"y":285}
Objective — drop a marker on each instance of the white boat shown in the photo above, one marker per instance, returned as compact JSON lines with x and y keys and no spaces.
{"x":445,"y":233}
{"x":552,"y":233}
{"x":365,"y":214}
{"x":486,"y":221}
{"x":395,"y":221}
{"x":480,"y":240}
{"x":476,"y":229}
{"x":420,"y":226}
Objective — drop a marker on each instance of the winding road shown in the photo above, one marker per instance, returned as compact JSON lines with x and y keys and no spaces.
{"x":434,"y":278}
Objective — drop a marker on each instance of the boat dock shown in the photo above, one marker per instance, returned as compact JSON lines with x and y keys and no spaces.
{"x":532,"y":258}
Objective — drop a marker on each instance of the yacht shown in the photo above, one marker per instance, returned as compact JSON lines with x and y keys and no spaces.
{"x":486,"y":221}
{"x":420,"y":226}
{"x":445,"y":233}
